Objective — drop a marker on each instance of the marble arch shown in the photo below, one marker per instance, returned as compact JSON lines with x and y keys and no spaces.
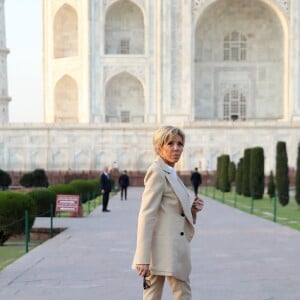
{"x":124,"y":29}
{"x":200,"y":9}
{"x":134,"y":72}
{"x":138,"y":3}
{"x":66,"y":100}
{"x":124,"y":95}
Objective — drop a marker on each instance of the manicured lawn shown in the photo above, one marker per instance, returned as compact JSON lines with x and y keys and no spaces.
{"x":267,"y":208}
{"x":12,"y":250}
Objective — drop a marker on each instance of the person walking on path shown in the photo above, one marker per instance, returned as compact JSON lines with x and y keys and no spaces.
{"x":196,"y":180}
{"x":105,"y":187}
{"x":165,"y":222}
{"x":124,"y":183}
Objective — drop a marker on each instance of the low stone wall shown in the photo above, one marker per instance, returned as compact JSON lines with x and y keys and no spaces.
{"x":136,"y":177}
{"x":60,"y":177}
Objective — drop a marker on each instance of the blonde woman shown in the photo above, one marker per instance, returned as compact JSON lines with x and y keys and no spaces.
{"x":165,"y":223}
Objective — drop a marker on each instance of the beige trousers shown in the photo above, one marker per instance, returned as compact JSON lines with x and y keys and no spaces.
{"x":181,"y":289}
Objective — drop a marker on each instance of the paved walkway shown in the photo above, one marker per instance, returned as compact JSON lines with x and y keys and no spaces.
{"x":235,"y":256}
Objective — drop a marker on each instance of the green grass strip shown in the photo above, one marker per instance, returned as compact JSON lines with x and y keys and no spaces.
{"x":288,"y":215}
{"x":12,"y":250}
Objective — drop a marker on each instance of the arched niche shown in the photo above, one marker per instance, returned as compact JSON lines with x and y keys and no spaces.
{"x":240,"y":45}
{"x":66,"y":101}
{"x":124,"y":29}
{"x":65,"y":32}
{"x":124,"y":99}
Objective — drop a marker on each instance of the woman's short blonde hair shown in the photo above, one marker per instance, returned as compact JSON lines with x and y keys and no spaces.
{"x":163,"y":134}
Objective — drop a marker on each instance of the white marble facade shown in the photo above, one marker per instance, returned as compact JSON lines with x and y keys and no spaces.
{"x":226,"y":71}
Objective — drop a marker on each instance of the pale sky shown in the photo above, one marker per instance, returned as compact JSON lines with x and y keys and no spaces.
{"x":24,"y":62}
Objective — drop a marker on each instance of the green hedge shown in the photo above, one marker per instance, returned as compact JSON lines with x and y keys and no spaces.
{"x":84,"y":188}
{"x":63,"y":189}
{"x":43,"y":199}
{"x":12,"y":213}
{"x":96,"y":186}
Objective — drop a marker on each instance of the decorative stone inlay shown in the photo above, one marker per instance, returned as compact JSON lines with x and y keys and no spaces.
{"x":137,"y":71}
{"x":284,"y":4}
{"x":109,"y":2}
{"x":198,"y":3}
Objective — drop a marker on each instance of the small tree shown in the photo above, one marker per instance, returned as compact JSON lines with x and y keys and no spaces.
{"x":271,"y":185}
{"x":282,"y":173}
{"x":26,"y":180}
{"x":5,"y":180}
{"x":297,"y":179}
{"x":231,"y":172}
{"x":223,"y":181}
{"x":246,"y":173}
{"x":39,"y":178}
{"x":217,"y":176}
{"x":239,"y":177}
{"x":257,"y":176}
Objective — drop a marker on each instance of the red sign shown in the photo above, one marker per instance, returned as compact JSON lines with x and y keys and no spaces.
{"x":68,"y":203}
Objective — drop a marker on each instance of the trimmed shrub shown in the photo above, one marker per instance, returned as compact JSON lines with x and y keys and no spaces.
{"x":297,"y":179}
{"x":257,"y":172}
{"x":231,"y":172}
{"x":217,"y":175}
{"x":26,"y":180}
{"x":84,"y":188}
{"x":271,"y":185}
{"x":63,"y":189}
{"x":5,"y":180}
{"x":37,"y":178}
{"x":96,"y":186}
{"x":282,"y":173}
{"x":12,"y":214}
{"x":43,"y":199}
{"x":246,"y":173}
{"x":223,"y":179}
{"x":239,"y":177}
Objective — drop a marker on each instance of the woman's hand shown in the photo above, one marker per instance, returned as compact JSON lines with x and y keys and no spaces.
{"x":143,"y":270}
{"x":197,"y":205}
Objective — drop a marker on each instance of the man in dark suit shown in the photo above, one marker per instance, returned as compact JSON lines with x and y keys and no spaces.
{"x":124,"y":183}
{"x":196,"y":180}
{"x":105,"y":187}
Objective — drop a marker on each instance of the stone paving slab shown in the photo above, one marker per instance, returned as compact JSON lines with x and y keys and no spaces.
{"x":236,"y":256}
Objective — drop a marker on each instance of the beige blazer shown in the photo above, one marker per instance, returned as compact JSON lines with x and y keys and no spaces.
{"x":165,"y":224}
